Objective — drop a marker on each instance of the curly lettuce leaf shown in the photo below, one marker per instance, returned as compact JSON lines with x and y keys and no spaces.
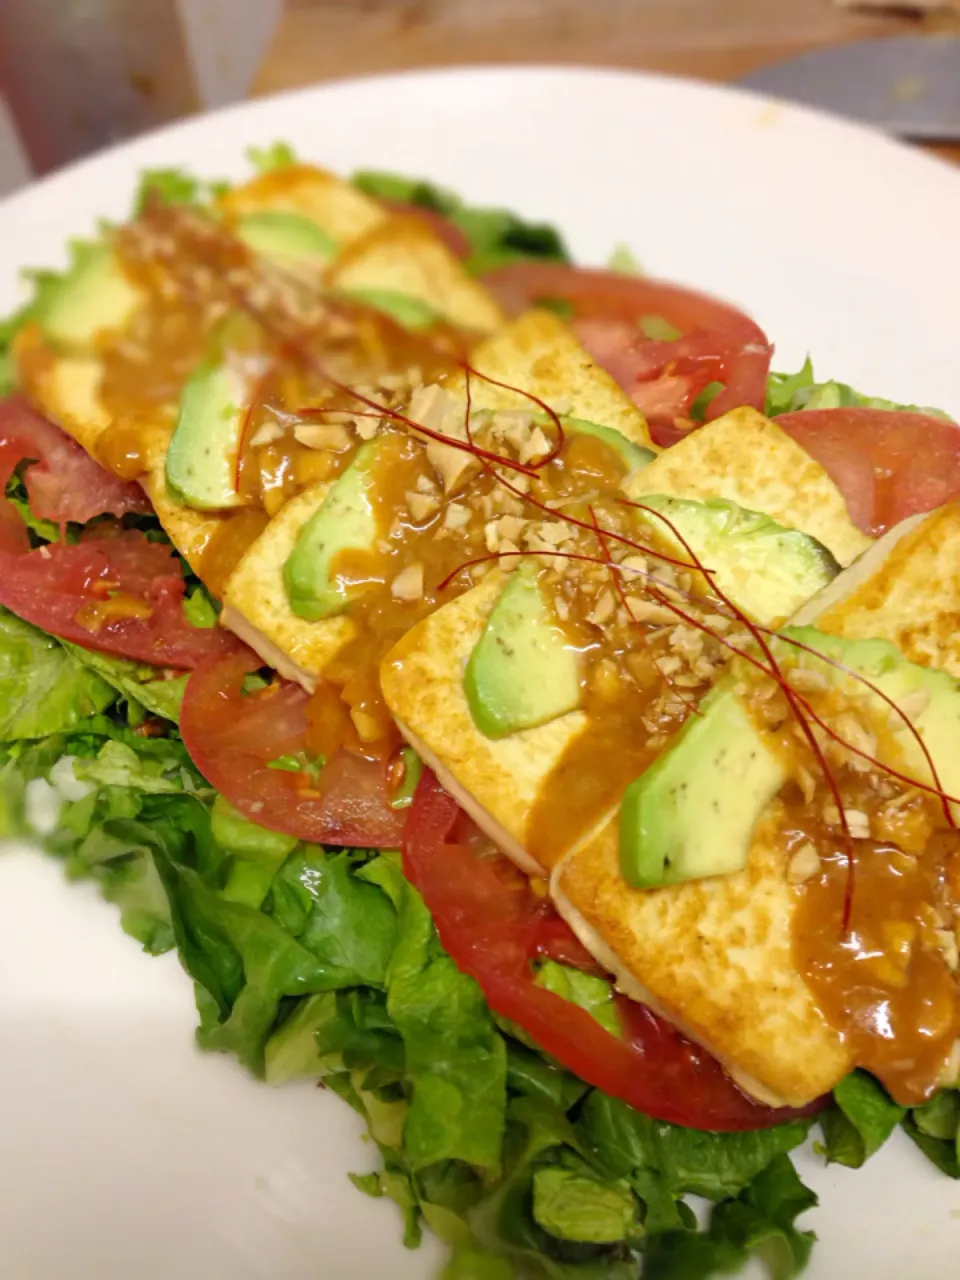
{"x":935,"y":1129}
{"x":156,"y":691}
{"x":688,"y":1161}
{"x":860,"y":1122}
{"x":792,"y":392}
{"x":455,"y":1058}
{"x":760,"y":1223}
{"x":277,"y":155}
{"x":43,"y":688}
{"x":497,"y":237}
{"x":588,"y":990}
{"x":103,"y":791}
{"x":175,"y":186}
{"x":575,"y":1204}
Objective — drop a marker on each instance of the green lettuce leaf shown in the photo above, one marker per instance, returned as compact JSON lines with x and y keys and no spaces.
{"x":278,"y":155}
{"x":175,"y":186}
{"x":588,"y":990}
{"x":200,"y":608}
{"x":319,"y":928}
{"x":935,"y":1129}
{"x":688,"y":1161}
{"x":760,"y":1222}
{"x":861,"y":1121}
{"x":156,"y":691}
{"x":575,"y":1204}
{"x":43,"y":689}
{"x":496,"y":236}
{"x":455,"y":1057}
{"x":791,"y":392}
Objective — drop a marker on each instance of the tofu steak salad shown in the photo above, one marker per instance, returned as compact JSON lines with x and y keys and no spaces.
{"x":523,"y":711}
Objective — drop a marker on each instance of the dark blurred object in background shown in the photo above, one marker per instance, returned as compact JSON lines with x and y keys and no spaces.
{"x":80,"y":74}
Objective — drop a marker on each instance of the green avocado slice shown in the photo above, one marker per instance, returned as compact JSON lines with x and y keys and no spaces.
{"x":345,"y":521}
{"x":408,"y":312}
{"x":286,"y":239}
{"x":94,"y":297}
{"x":692,"y":813}
{"x":523,"y":671}
{"x":201,"y":464}
{"x":764,"y":568}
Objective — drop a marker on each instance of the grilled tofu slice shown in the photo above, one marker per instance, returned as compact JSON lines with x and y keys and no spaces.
{"x":747,"y":459}
{"x":538,"y":354}
{"x":256,"y":608}
{"x":498,"y":783}
{"x":714,"y":956}
{"x":403,"y":256}
{"x":887,"y":593}
{"x":342,"y":211}
{"x":66,"y":389}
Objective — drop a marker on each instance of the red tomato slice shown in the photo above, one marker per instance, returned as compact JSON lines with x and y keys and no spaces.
{"x":448,"y":231}
{"x":120,"y":594}
{"x":64,"y":482}
{"x":718,"y":343}
{"x":488,"y":919}
{"x":232,"y":738}
{"x":888,"y":465}
{"x":114,"y":591}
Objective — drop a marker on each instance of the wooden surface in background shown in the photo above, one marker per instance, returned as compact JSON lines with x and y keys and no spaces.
{"x":714,"y":39}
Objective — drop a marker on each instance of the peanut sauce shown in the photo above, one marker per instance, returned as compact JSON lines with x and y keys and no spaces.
{"x":885,"y":985}
{"x":887,"y":980}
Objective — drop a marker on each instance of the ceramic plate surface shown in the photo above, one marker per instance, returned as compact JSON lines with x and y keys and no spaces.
{"x":123,"y":1151}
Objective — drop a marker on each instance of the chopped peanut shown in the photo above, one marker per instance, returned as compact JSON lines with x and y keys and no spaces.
{"x":408,"y":584}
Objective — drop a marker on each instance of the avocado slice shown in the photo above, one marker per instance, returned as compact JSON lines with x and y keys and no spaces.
{"x":408,"y":312}
{"x":766,"y":569}
{"x":346,"y":521}
{"x":286,"y":239}
{"x":201,"y":465}
{"x":880,"y":664}
{"x":523,"y":670}
{"x":692,"y":813}
{"x":634,"y":456}
{"x":95,"y":296}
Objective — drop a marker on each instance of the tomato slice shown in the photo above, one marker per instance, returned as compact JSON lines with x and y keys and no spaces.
{"x":488,"y":919}
{"x":64,"y":483}
{"x":233,"y":737}
{"x":887,"y":464}
{"x":114,"y":590}
{"x":451,"y":235}
{"x":717,"y":343}
{"x":119,"y":594}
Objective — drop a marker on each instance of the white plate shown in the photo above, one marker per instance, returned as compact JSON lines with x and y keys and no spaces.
{"x":123,"y":1152}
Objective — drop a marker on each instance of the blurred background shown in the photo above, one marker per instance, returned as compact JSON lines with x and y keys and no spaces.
{"x":78,"y":74}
